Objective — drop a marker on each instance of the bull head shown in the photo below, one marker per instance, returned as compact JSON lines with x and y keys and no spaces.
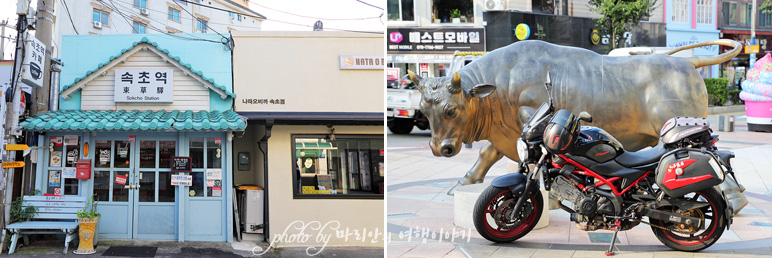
{"x":452,"y":111}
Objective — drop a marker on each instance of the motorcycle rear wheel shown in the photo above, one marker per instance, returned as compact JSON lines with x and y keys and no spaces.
{"x":494,"y":203}
{"x":714,"y":221}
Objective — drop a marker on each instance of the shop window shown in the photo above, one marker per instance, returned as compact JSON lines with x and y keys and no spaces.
{"x":445,"y":11}
{"x":680,"y":13}
{"x":400,"y":10}
{"x":206,"y":162}
{"x":345,"y":166}
{"x":64,"y":154}
{"x":704,"y":12}
{"x":102,"y":17}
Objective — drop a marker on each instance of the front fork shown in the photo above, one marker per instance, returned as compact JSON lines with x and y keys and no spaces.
{"x":531,"y":182}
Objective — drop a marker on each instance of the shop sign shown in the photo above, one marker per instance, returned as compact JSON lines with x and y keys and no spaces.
{"x":71,"y":139}
{"x":522,"y":31}
{"x":436,"y":40}
{"x":392,"y":72}
{"x":181,"y":164}
{"x":144,"y":85}
{"x":13,"y":164}
{"x":34,"y":57}
{"x":358,"y":62}
{"x":751,"y":49}
{"x":422,"y":58}
{"x":424,"y":67}
{"x":16,"y":147}
{"x":183,"y":180}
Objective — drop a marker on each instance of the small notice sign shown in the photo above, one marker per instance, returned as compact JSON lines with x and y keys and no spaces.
{"x":68,"y":172}
{"x":120,"y":179}
{"x":181,"y":164}
{"x":214,"y":174}
{"x":183,"y":180}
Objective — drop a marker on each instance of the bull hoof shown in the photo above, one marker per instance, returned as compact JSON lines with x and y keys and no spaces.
{"x":453,"y":189}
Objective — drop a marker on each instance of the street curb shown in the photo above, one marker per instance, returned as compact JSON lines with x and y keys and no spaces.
{"x":726,"y":109}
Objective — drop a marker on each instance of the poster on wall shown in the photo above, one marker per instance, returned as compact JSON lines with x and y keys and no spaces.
{"x":213,"y":174}
{"x":104,"y":156}
{"x":68,"y":172}
{"x":71,"y":139}
{"x":72,"y":157}
{"x":54,"y":178}
{"x":56,"y":140}
{"x":56,"y":159}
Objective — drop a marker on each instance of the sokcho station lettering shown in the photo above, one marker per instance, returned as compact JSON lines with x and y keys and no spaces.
{"x":263,"y":101}
{"x":144,"y":85}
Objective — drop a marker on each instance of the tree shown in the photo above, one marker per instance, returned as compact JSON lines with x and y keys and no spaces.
{"x":619,"y":16}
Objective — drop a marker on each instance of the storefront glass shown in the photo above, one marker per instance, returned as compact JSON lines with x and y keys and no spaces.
{"x":445,"y":11}
{"x":206,"y":154}
{"x":400,"y":10}
{"x":340,"y":166}
{"x":65,"y":152}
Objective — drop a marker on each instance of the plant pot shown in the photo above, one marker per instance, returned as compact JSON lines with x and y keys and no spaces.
{"x":456,"y":20}
{"x":87,"y":230}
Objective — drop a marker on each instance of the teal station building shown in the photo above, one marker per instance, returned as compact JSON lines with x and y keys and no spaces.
{"x":134,"y":111}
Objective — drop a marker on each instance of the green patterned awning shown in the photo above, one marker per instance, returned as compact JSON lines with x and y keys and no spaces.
{"x":135,"y":120}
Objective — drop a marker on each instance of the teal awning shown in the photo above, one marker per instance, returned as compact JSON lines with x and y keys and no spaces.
{"x":135,"y":120}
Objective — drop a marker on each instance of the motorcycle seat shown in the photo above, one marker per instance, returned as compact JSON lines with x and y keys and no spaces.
{"x":644,"y":157}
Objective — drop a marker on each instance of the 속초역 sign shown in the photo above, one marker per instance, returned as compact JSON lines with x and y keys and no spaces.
{"x":144,"y":85}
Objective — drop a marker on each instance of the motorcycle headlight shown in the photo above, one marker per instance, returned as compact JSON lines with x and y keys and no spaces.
{"x":522,"y":149}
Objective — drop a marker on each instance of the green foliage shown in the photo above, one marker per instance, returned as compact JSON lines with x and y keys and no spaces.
{"x":716,"y":90}
{"x":619,"y":16}
{"x":765,"y":7}
{"x":90,"y":211}
{"x":455,"y":13}
{"x":734,"y":96}
{"x":20,"y":213}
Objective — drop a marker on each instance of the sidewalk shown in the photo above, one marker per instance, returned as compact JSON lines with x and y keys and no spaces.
{"x":417,"y":203}
{"x":53,"y":248}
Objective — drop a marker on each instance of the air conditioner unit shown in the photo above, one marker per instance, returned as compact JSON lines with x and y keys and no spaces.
{"x":495,"y":5}
{"x":97,"y":24}
{"x":143,"y":11}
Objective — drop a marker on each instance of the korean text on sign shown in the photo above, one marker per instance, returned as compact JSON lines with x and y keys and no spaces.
{"x":144,"y":85}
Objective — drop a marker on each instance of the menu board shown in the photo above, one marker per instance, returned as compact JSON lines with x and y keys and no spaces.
{"x":181,"y":164}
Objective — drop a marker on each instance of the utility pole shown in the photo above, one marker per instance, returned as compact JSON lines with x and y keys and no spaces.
{"x":753,"y":33}
{"x":2,"y":39}
{"x":12,"y":118}
{"x":44,"y":28}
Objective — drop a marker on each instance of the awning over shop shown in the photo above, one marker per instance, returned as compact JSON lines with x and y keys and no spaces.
{"x":135,"y":120}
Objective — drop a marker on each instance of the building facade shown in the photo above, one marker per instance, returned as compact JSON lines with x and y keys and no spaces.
{"x":694,"y":21}
{"x":315,"y":144}
{"x":150,"y":118}
{"x":734,"y":22}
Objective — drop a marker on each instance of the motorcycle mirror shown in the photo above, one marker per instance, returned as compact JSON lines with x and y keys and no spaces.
{"x":584,"y":116}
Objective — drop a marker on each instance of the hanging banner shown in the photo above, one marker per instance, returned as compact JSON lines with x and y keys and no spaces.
{"x":144,"y":85}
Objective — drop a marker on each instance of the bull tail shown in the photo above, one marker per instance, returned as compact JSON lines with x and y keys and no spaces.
{"x":700,"y":61}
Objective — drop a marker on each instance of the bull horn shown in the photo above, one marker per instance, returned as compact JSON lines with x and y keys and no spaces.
{"x":416,"y":79}
{"x":700,"y":61}
{"x":455,"y":84}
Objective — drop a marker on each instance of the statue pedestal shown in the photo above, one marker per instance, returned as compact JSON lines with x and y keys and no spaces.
{"x":466,"y":196}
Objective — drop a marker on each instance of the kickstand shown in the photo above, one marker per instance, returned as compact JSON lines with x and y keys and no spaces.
{"x":610,"y":251}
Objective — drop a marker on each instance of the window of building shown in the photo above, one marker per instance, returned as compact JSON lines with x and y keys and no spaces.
{"x":744,"y":16}
{"x":182,"y":2}
{"x":680,"y":11}
{"x":345,"y":166}
{"x":102,"y":17}
{"x":140,"y":3}
{"x":206,"y":162}
{"x":446,"y":11}
{"x":61,"y":165}
{"x":765,"y":19}
{"x":174,"y":15}
{"x":704,"y":11}
{"x":729,"y":12}
{"x":201,"y":25}
{"x":139,"y":28}
{"x":400,"y":10}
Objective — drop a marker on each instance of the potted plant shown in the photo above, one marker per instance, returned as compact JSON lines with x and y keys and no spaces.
{"x":455,"y":14}
{"x":88,"y":218}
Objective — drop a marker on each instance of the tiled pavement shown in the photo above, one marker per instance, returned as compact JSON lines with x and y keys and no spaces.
{"x":417,"y":203}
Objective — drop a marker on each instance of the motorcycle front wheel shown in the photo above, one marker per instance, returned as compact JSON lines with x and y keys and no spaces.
{"x":493,"y":210}
{"x":688,"y":238}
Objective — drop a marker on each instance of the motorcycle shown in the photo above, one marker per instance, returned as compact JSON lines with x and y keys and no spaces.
{"x":672,"y":187}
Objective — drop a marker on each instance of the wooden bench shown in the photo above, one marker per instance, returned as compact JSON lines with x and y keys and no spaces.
{"x":56,"y":215}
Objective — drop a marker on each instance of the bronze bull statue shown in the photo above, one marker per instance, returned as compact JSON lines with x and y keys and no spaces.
{"x":630,"y":97}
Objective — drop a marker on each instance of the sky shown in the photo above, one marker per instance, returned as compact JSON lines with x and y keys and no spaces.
{"x":283,"y":15}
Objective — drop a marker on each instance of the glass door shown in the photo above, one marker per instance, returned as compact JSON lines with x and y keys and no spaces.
{"x":113,"y":174}
{"x":154,"y":205}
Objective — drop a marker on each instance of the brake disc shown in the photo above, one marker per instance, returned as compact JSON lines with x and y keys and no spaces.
{"x":505,"y":210}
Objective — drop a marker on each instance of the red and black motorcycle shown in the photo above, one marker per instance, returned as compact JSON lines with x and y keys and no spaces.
{"x":671,"y":187}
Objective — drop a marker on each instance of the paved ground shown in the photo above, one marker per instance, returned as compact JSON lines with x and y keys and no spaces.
{"x":419,"y":210}
{"x":54,"y":248}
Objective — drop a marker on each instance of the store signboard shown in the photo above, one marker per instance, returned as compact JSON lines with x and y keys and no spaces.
{"x":359,"y":62}
{"x":33,"y":66}
{"x":429,"y":40}
{"x":144,"y":85}
{"x":181,"y":164}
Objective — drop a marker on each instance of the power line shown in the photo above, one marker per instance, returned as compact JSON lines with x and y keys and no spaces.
{"x":311,"y":17}
{"x":369,"y":4}
{"x":70,"y":16}
{"x":187,"y":19}
{"x":130,"y":10}
{"x":197,"y":21}
{"x":153,"y":27}
{"x":310,"y":26}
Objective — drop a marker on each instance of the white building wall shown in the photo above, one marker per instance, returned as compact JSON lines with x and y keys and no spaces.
{"x":189,"y":93}
{"x":81,"y":13}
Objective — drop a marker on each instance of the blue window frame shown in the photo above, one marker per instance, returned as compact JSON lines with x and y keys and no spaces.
{"x":102,"y":17}
{"x":139,"y":28}
{"x":140,"y":3}
{"x":174,"y":15}
{"x":201,"y":25}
